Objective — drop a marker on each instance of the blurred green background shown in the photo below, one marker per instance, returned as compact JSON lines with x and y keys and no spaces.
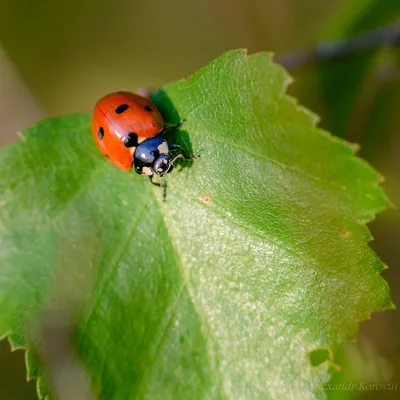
{"x":60,"y":57}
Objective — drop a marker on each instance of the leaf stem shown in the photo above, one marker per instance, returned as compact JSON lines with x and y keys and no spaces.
{"x":332,"y":50}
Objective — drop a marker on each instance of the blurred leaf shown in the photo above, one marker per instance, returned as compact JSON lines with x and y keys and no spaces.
{"x":361,"y":366}
{"x":255,"y":264}
{"x":341,"y":80}
{"x":379,"y":134}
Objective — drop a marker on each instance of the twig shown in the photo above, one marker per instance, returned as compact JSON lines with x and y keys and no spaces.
{"x":328,"y":51}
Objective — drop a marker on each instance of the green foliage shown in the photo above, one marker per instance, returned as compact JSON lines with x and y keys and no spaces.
{"x":362,"y":368}
{"x":241,"y":285}
{"x":341,"y":81}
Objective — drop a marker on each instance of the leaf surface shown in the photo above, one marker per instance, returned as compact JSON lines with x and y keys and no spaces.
{"x":255,"y":265}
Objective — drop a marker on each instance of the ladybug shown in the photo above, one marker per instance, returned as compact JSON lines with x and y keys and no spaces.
{"x":128,"y":130}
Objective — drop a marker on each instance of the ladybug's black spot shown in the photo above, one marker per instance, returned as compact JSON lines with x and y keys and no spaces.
{"x":100,"y":133}
{"x":121,"y":108}
{"x":148,"y":108}
{"x":131,"y":140}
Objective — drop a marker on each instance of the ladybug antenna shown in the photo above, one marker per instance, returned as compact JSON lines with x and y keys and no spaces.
{"x":174,"y":159}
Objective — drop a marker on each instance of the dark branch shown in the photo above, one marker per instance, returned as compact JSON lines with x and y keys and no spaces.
{"x":327,"y":51}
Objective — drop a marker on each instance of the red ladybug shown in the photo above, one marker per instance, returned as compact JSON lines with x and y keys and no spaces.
{"x":127,"y":129}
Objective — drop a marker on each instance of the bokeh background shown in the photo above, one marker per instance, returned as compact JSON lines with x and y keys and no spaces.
{"x":59,"y":57}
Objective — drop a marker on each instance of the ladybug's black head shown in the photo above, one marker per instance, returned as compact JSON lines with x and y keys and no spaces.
{"x":152,"y":157}
{"x":162,"y":165}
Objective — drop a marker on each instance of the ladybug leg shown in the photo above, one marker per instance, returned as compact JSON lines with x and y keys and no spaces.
{"x":174,"y":126}
{"x":182,"y":153}
{"x":161,"y":185}
{"x":154,"y":183}
{"x":170,"y":127}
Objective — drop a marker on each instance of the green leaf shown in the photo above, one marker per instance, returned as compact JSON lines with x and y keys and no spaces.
{"x":256,"y":263}
{"x":379,"y":132}
{"x":342,"y":80}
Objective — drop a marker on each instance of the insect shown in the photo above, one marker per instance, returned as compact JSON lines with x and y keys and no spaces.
{"x":128,"y":130}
